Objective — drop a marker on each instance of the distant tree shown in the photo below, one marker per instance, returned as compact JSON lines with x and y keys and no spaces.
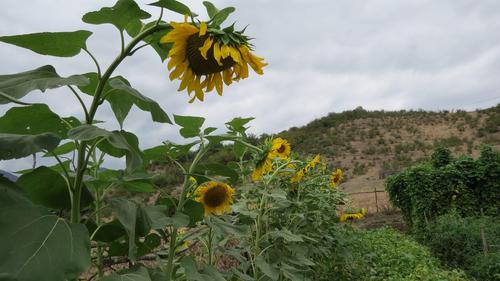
{"x":441,"y":157}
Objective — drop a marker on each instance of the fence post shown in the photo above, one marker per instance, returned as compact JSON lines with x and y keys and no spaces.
{"x":376,"y":197}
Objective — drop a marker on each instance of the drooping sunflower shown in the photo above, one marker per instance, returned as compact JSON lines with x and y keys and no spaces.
{"x":216,"y":197}
{"x":204,"y":57}
{"x":280,"y":148}
{"x":351,"y":216}
{"x":336,"y":178}
{"x":302,"y":172}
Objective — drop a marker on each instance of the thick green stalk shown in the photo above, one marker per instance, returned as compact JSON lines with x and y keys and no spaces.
{"x":82,"y":158}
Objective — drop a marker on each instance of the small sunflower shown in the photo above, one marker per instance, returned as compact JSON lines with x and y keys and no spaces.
{"x":262,"y":168}
{"x":336,"y":178}
{"x":203,"y":57}
{"x":280,"y":148}
{"x":310,"y":166}
{"x":351,"y":216}
{"x":216,"y":197}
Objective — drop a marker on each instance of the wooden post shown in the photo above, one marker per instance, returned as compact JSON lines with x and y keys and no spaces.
{"x":376,"y":197}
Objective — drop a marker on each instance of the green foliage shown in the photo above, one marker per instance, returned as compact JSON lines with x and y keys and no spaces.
{"x":469,"y":186}
{"x":458,"y":242}
{"x":441,"y":157}
{"x":123,"y":14}
{"x":384,"y":254}
{"x":20,"y":84}
{"x":36,"y":244}
{"x":59,"y":44}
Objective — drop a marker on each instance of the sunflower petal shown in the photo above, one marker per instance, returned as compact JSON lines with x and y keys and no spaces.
{"x":203,"y":28}
{"x":206,"y":46}
{"x":217,"y":53}
{"x":218,"y":83}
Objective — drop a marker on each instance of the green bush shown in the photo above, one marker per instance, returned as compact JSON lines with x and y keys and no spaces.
{"x":385,"y":254}
{"x":467,"y":186}
{"x":457,"y":242}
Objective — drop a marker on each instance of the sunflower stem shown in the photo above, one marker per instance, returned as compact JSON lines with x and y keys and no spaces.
{"x":82,"y":158}
{"x":180,"y":205}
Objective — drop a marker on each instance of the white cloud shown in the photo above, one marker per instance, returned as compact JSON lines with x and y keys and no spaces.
{"x":324,"y":56}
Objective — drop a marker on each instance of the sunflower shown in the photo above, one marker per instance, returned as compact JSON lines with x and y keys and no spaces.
{"x":351,"y":216}
{"x":204,"y":57}
{"x":216,"y":197}
{"x":280,"y":148}
{"x":310,"y":166}
{"x":262,"y":168}
{"x":336,"y":178}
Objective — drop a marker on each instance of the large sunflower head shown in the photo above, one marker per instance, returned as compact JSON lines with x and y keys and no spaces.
{"x":204,"y":56}
{"x":262,"y":168}
{"x":280,"y":148}
{"x":336,"y":178}
{"x":216,"y":197}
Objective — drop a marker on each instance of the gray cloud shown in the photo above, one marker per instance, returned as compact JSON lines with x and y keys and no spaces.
{"x":324,"y":56}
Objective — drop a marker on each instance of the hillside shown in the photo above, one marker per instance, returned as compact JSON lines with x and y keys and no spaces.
{"x":370,"y":145}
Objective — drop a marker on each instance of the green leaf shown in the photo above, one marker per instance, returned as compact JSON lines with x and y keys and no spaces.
{"x":137,"y":273}
{"x":59,"y":44}
{"x":226,"y":228}
{"x":61,"y":150}
{"x":138,"y":186}
{"x":287,"y":235}
{"x":121,"y":88}
{"x":157,"y":153}
{"x":37,"y":245}
{"x":124,"y":142}
{"x":48,"y":188}
{"x":154,"y":41}
{"x":151,"y":241}
{"x":222,"y":15}
{"x":195,"y":211}
{"x":266,"y":268}
{"x":161,"y":217}
{"x":109,"y":232}
{"x":14,"y":146}
{"x":211,"y":9}
{"x":176,"y":150}
{"x":192,"y":274}
{"x":191,"y":125}
{"x":237,"y":125}
{"x":20,"y":84}
{"x":174,"y":6}
{"x":87,"y":132}
{"x":33,"y":120}
{"x":121,"y":15}
{"x":134,"y":220}
{"x":218,"y":170}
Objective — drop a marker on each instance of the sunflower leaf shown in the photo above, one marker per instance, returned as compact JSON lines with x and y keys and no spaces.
{"x":13,"y":146}
{"x":121,"y":15}
{"x":191,"y":125}
{"x":37,"y":245}
{"x":20,"y":84}
{"x":59,"y":44}
{"x":222,"y":15}
{"x":174,"y":6}
{"x":211,"y":9}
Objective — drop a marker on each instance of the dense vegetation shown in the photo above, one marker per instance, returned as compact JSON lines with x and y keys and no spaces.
{"x":385,"y":254}
{"x":452,"y":206}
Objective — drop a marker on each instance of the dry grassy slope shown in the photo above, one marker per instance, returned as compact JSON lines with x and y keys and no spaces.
{"x":370,"y":145}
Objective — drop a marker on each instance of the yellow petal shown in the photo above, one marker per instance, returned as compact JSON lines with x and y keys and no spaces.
{"x":206,"y":46}
{"x":211,"y":83}
{"x":218,"y":83}
{"x":197,"y":89}
{"x":186,"y":16}
{"x":178,"y":71}
{"x":217,"y":53}
{"x":228,"y":73}
{"x":244,"y":70}
{"x":235,"y":54}
{"x":225,"y":51}
{"x":186,"y":79}
{"x":203,"y":28}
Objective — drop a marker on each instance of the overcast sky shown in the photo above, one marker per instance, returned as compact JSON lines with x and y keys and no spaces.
{"x":324,"y":56}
